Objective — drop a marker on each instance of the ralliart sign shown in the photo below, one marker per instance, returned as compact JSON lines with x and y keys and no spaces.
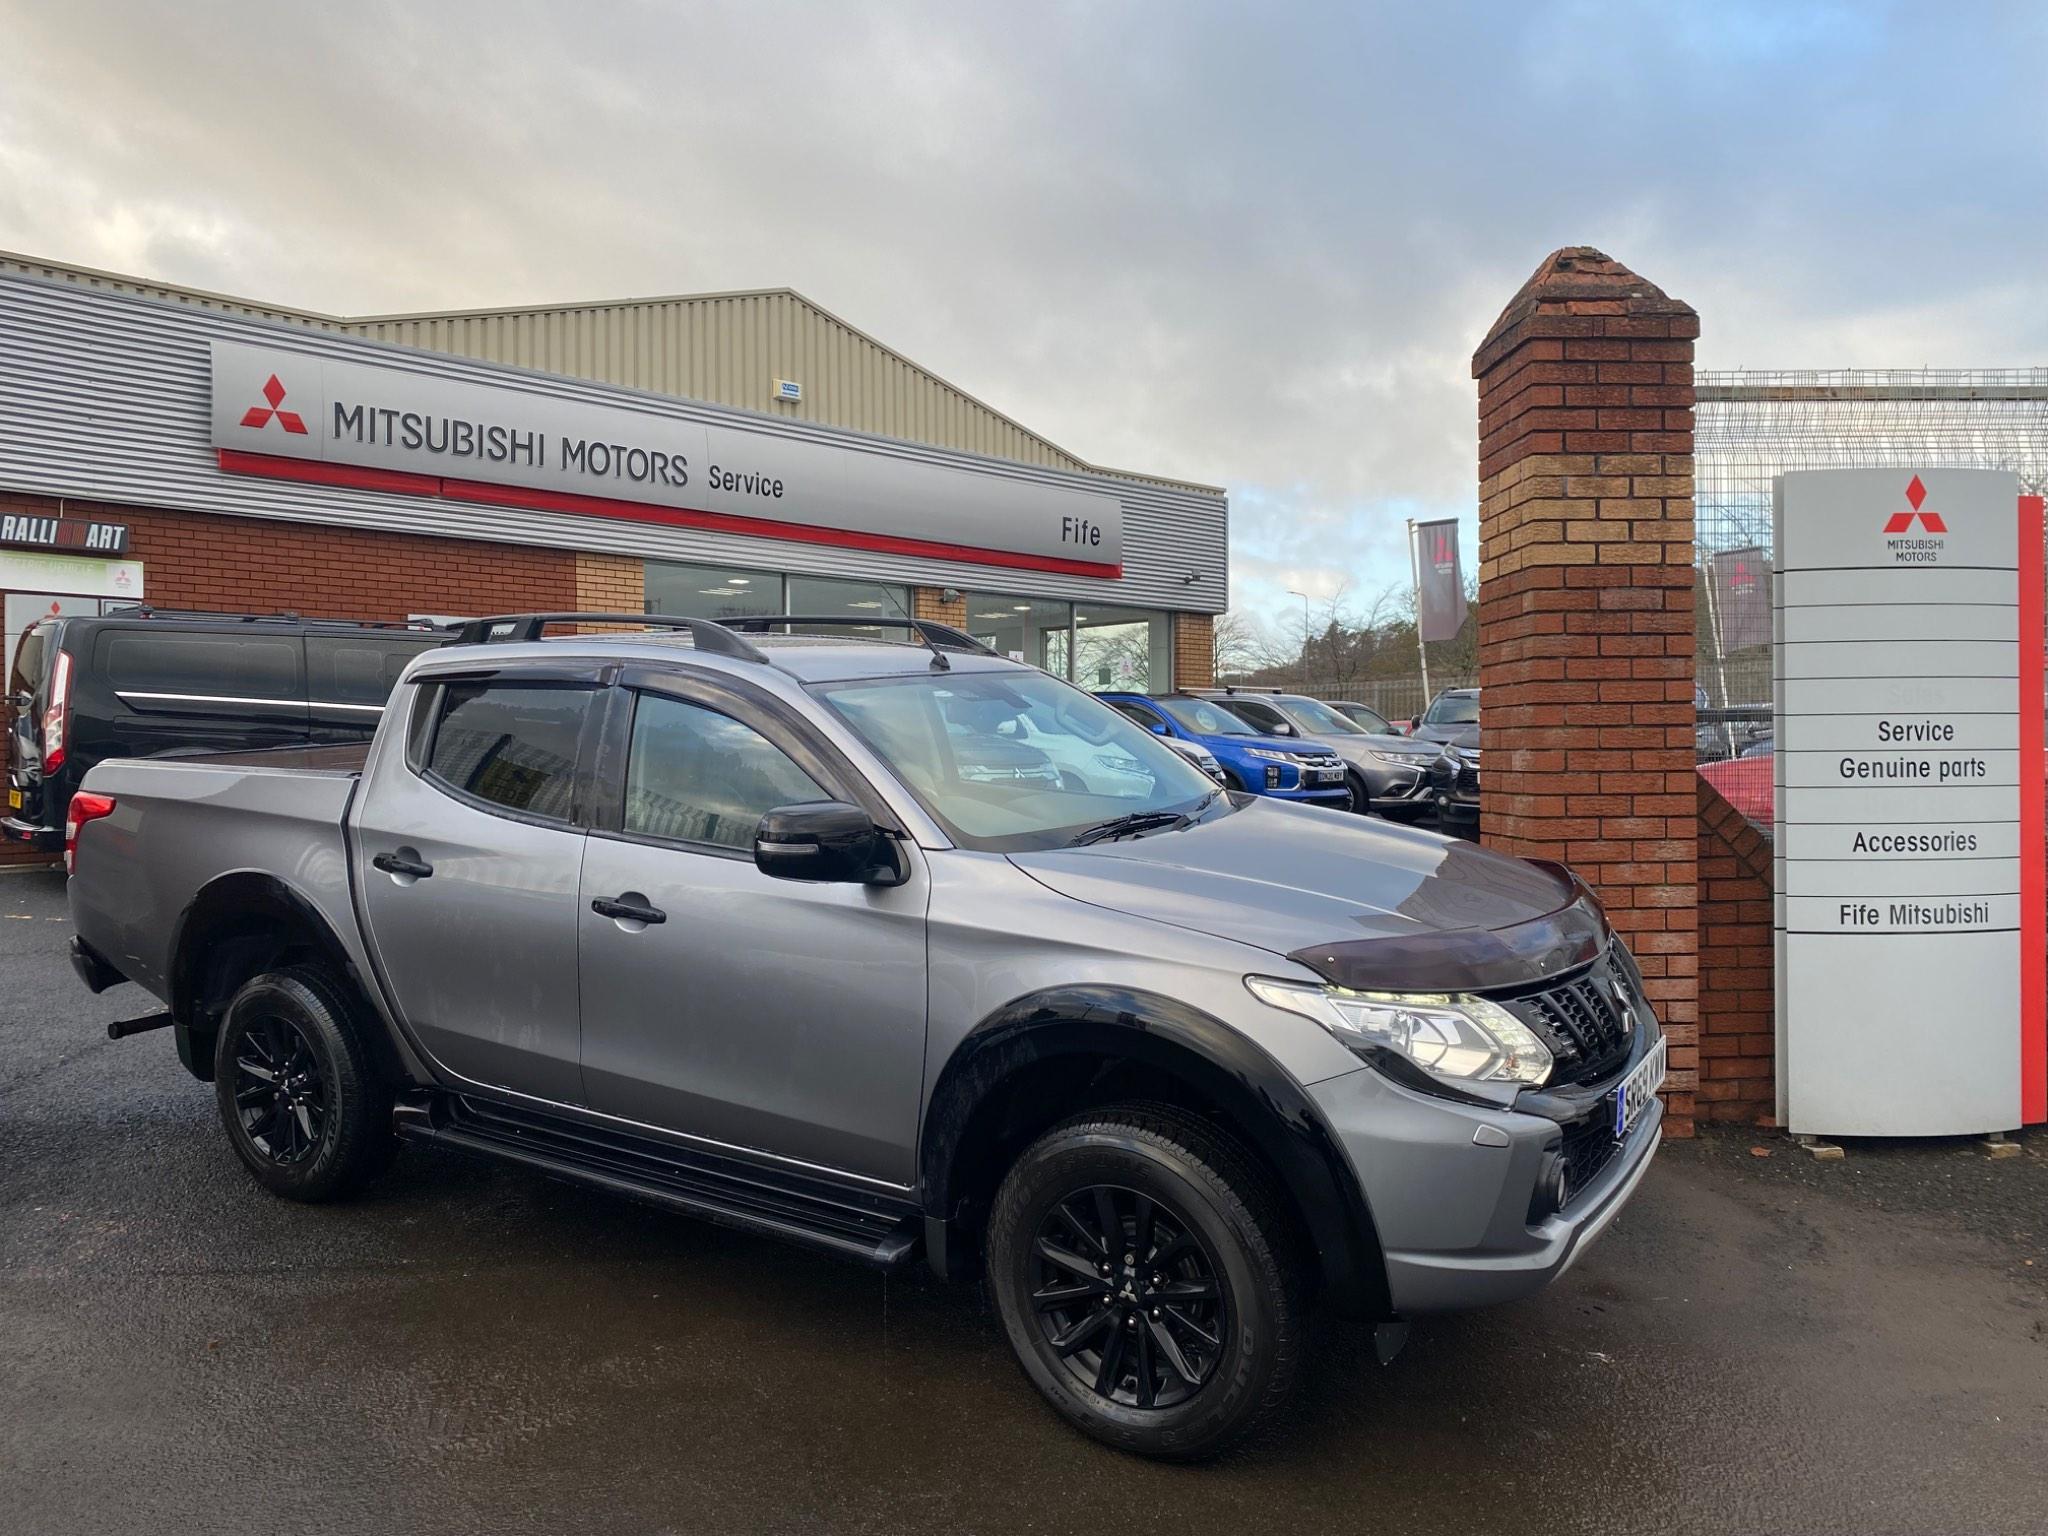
{"x":389,"y":428}
{"x":1909,"y":823}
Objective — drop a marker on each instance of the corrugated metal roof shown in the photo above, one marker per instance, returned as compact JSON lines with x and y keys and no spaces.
{"x":721,"y":348}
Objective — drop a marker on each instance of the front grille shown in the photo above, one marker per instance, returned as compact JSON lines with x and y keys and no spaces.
{"x":1319,"y":760}
{"x":1589,"y":1146}
{"x":1468,"y":777}
{"x":1588,"y":1022}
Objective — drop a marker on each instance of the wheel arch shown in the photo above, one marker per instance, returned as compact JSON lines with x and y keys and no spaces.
{"x":240,"y":925}
{"x":982,"y":1109}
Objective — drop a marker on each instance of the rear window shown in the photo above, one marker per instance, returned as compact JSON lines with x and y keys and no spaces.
{"x":166,"y":663}
{"x":357,"y":669}
{"x":27,"y":675}
{"x":510,"y":745}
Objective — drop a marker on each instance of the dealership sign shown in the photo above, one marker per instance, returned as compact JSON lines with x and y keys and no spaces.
{"x":379,"y":427}
{"x":1909,"y":818}
{"x":73,"y":535}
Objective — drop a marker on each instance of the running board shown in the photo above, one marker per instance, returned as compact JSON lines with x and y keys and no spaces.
{"x":868,"y":1228}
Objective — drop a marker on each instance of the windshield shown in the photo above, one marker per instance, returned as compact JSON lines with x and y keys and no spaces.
{"x":1012,"y":761}
{"x":1456,"y":709}
{"x":1206,"y":719}
{"x":1318,"y":719}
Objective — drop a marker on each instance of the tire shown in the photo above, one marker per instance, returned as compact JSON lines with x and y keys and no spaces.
{"x":329,"y":1132}
{"x":1361,"y":796}
{"x":1217,"y":1225}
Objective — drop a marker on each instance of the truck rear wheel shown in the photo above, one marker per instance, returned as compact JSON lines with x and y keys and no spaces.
{"x":1145,"y":1274}
{"x":304,"y":1104}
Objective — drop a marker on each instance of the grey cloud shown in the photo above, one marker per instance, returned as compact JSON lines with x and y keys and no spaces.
{"x":1239,"y":244}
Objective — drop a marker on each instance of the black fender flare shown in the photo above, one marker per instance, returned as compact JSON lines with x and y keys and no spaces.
{"x":1266,"y":1104}
{"x":241,"y":893}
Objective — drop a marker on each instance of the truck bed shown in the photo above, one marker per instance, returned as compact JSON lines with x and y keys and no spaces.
{"x":181,"y":824}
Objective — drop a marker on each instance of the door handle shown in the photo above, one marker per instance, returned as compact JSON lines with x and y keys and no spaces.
{"x":627,"y":911}
{"x":394,"y":864}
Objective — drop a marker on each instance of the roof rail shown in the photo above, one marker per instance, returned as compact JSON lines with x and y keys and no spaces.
{"x":1229,"y":689}
{"x":151,"y":611}
{"x":930,"y":635}
{"x":708,"y":634}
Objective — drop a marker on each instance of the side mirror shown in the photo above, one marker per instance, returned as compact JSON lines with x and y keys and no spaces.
{"x":1415,"y":724}
{"x":1158,"y":728}
{"x":1282,"y":728}
{"x":826,"y":840}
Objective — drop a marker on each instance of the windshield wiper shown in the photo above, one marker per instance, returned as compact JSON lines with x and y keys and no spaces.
{"x":1141,"y":821}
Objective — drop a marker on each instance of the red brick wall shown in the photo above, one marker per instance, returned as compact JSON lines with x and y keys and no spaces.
{"x":1194,"y":650}
{"x":1586,"y":634}
{"x":242,"y":565}
{"x":1738,"y":1041}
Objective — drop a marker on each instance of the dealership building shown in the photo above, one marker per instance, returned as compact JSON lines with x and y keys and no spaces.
{"x":709,"y":455}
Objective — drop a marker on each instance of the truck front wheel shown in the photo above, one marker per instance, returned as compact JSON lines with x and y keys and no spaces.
{"x":304,"y":1104}
{"x":1145,"y":1274}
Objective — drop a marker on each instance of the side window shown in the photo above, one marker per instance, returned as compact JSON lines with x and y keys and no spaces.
{"x":157,"y":661}
{"x":697,"y":776}
{"x":513,"y":745}
{"x":1264,"y":716}
{"x":352,"y":669}
{"x":1137,"y":712}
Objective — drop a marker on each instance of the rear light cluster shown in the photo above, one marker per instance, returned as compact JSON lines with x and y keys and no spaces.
{"x":57,"y":714}
{"x":85,"y":807}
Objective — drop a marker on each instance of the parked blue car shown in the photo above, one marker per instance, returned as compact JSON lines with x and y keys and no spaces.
{"x":1286,"y":768}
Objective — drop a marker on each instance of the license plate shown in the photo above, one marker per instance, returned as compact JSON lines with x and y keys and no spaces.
{"x":1638,"y":1089}
{"x":14,"y":799}
{"x":1326,"y":776}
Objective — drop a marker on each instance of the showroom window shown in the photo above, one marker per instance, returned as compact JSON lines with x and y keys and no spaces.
{"x":1125,"y":649}
{"x":1027,"y":629}
{"x":855,"y":599}
{"x":711,"y":591}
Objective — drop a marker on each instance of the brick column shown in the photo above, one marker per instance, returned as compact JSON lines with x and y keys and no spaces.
{"x":1194,"y":650}
{"x":1586,"y":643}
{"x":930,"y":603}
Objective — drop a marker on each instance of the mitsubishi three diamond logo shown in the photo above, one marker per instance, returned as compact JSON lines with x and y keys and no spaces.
{"x":1925,"y":549}
{"x":259,"y":416}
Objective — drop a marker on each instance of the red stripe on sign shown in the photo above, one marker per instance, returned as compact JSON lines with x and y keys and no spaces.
{"x":2033,"y":821}
{"x":315,"y":472}
{"x":760,"y":527}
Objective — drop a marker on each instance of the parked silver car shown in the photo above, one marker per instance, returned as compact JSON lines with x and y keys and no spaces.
{"x":742,"y":925}
{"x":1387,"y":773}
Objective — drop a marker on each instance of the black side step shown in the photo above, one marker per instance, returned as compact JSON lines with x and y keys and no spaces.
{"x":872,"y":1229}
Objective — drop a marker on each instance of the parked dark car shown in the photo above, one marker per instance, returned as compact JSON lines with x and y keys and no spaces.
{"x":1454,"y":789}
{"x":143,"y":682}
{"x":1386,"y":773}
{"x":1452,"y":718}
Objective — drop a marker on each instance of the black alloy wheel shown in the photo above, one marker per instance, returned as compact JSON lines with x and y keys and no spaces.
{"x":301,"y":1094}
{"x":281,"y":1095}
{"x":1128,"y":1297}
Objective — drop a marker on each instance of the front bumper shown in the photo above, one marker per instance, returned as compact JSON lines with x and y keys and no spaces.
{"x":1452,"y":1215}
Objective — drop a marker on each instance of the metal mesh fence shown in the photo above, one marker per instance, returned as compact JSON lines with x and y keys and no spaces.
{"x":1754,"y":425}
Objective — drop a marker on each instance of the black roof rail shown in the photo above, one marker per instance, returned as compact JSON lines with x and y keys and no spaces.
{"x":930,"y":635}
{"x":505,"y":627}
{"x":151,"y":611}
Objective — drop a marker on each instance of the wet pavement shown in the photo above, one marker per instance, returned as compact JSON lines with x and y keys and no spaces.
{"x":1759,"y":1344}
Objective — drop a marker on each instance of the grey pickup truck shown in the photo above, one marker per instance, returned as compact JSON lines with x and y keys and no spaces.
{"x":794,"y":927}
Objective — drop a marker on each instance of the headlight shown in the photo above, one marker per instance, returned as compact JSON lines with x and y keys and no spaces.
{"x":1404,"y":759}
{"x":1117,"y":764}
{"x":1271,"y":757}
{"x":1452,"y":1036}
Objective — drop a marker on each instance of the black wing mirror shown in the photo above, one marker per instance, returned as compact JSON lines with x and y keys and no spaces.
{"x":826,"y":840}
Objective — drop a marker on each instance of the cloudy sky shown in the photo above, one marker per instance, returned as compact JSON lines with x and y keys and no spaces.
{"x":1253,"y":244}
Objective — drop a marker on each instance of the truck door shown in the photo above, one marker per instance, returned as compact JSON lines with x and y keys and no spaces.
{"x":773,"y":1015}
{"x":468,"y":853}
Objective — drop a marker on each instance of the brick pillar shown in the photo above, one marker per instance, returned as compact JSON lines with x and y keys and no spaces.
{"x":930,"y":603}
{"x":1586,"y":644}
{"x":1194,"y":650}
